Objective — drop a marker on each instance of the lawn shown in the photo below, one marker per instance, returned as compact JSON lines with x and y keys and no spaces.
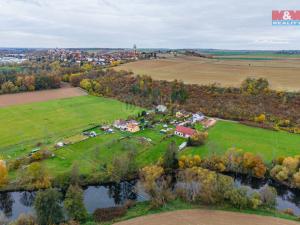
{"x":94,"y":153}
{"x":28,"y":124}
{"x":53,"y":120}
{"x":268,"y":144}
{"x":99,"y":151}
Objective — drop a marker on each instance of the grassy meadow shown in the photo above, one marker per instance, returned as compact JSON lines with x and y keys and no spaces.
{"x":52,"y":120}
{"x":97,"y":152}
{"x":94,"y":153}
{"x":266,"y":143}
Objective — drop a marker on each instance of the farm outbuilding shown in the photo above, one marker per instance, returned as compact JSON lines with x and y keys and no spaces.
{"x":185,"y":132}
{"x":161,"y":108}
{"x":132,"y":127}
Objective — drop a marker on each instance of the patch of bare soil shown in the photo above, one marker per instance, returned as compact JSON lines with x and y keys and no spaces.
{"x":205,"y":217}
{"x":39,"y":96}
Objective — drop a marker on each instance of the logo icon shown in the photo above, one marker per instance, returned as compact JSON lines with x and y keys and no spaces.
{"x":286,"y":17}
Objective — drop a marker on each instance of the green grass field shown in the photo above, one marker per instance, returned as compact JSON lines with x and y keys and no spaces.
{"x":95,"y":152}
{"x":52,"y":120}
{"x":56,"y":119}
{"x":266,"y":143}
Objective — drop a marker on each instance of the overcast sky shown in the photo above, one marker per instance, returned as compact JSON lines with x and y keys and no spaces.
{"x":223,"y":24}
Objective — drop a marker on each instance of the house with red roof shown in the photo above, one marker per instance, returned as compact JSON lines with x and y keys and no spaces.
{"x":184,"y":132}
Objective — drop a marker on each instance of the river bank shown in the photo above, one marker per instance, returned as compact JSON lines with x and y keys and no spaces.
{"x":12,"y":204}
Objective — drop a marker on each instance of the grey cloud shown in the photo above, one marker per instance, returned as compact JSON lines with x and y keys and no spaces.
{"x":148,"y":23}
{"x":109,"y":4}
{"x":34,"y":2}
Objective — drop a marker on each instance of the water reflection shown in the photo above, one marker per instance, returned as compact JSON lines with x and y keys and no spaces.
{"x":110,"y":195}
{"x":12,"y":204}
{"x":27,"y":198}
{"x":122,"y":192}
{"x":103,"y":196}
{"x":287,"y":197}
{"x":6,"y":204}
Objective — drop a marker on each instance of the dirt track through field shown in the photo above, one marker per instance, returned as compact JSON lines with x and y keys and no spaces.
{"x":40,"y":96}
{"x":205,"y":217}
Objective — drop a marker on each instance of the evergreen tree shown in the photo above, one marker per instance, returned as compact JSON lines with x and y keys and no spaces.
{"x":170,"y":158}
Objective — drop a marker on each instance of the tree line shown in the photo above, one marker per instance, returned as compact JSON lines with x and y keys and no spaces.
{"x":253,"y":103}
{"x":22,"y":83}
{"x":31,"y":76}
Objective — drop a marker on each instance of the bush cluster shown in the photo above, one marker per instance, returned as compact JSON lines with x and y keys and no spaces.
{"x":107,"y":214}
{"x":234,"y":160}
{"x":25,"y":160}
{"x":286,"y":170}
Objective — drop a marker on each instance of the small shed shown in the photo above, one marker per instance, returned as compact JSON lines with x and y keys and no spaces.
{"x":161,"y":108}
{"x":182,"y":146}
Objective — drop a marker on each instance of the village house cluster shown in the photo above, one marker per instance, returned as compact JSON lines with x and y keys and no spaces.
{"x":181,"y":124}
{"x":183,"y":119}
{"x":101,"y":57}
{"x":131,"y":126}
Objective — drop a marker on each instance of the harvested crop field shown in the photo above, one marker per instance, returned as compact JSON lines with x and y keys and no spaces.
{"x":283,"y":74}
{"x":205,"y":217}
{"x":40,"y":96}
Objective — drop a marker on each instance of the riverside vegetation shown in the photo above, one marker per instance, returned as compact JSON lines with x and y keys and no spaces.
{"x":172,"y":178}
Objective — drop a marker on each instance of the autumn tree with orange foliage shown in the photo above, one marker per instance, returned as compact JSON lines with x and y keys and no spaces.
{"x":254,"y":165}
{"x":198,"y":139}
{"x":3,"y":173}
{"x":189,"y":161}
{"x":35,"y":176}
{"x":157,"y":185}
{"x":287,"y":171}
{"x":236,"y":160}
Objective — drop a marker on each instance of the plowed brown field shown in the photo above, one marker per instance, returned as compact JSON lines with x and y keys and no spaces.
{"x":283,"y":74}
{"x":205,"y":217}
{"x":40,"y":96}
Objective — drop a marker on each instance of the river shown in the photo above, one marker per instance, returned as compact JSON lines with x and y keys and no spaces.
{"x":12,"y":204}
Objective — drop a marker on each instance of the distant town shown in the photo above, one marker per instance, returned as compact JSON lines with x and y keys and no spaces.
{"x":76,"y":56}
{"x":106,"y":56}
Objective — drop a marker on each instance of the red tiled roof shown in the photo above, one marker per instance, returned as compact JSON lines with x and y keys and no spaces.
{"x":185,"y":130}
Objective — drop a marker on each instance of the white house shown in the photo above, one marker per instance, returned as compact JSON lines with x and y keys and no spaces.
{"x":198,"y":117}
{"x":120,"y":124}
